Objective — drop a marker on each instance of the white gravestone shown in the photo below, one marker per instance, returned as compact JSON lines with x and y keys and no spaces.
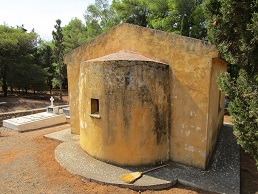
{"x":52,"y":101}
{"x":52,"y":108}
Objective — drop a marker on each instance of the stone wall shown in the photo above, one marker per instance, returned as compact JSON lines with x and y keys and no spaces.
{"x":131,"y":126}
{"x":216,"y":104}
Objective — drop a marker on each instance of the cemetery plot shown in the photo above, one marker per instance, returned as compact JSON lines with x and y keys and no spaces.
{"x":34,"y":121}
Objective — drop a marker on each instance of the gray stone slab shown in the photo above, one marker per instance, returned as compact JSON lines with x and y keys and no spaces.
{"x":76,"y":161}
{"x":64,"y":135}
{"x":223,"y":175}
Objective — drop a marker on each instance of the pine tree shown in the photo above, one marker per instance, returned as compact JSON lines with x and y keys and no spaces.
{"x":17,"y":60}
{"x":232,"y":26}
{"x":59,"y":50}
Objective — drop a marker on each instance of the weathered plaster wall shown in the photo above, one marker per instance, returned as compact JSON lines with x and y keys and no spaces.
{"x":190,"y":62}
{"x":134,"y":105}
{"x":216,"y":105}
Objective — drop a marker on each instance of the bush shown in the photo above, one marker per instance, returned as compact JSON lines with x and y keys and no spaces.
{"x":243,"y":106}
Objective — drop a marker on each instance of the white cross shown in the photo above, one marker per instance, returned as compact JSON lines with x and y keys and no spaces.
{"x":52,"y":101}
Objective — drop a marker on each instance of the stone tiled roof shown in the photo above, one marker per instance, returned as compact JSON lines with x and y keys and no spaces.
{"x":124,"y":55}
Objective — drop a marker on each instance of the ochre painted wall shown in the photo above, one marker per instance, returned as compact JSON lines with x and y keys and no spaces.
{"x":134,"y":112}
{"x":190,"y":63}
{"x":216,"y":105}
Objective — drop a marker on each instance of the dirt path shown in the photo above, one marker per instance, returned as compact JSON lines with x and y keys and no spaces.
{"x":15,"y":103}
{"x":27,"y":165}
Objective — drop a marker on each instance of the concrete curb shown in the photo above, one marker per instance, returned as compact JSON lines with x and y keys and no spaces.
{"x":76,"y":161}
{"x":223,"y":175}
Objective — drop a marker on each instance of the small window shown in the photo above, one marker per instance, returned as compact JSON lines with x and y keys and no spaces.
{"x":94,"y":106}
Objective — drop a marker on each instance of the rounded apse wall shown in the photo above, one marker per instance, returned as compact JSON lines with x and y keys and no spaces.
{"x":124,"y":111}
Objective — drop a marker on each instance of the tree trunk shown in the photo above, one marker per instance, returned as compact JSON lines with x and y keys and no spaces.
{"x":50,"y":88}
{"x":60,"y":78}
{"x":4,"y":86}
{"x":4,"y":74}
{"x":61,"y":88}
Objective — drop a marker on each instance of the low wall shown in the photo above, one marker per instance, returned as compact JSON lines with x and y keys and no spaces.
{"x":10,"y":115}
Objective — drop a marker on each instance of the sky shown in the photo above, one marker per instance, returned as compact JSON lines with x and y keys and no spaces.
{"x":41,"y":14}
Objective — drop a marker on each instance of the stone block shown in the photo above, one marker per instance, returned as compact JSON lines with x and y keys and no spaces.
{"x":52,"y":109}
{"x":34,"y":121}
{"x":66,"y":111}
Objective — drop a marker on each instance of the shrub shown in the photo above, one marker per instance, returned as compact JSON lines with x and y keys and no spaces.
{"x":243,"y":106}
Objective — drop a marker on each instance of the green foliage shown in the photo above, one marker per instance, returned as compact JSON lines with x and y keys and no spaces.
{"x":184,"y":17}
{"x":17,"y":57}
{"x":54,"y":80}
{"x":232,"y":26}
{"x":55,"y":83}
{"x":58,"y":54}
{"x":45,"y":59}
{"x":159,"y":17}
{"x":58,"y":38}
{"x":30,"y":77}
{"x":99,"y":18}
{"x":244,"y":109}
{"x":75,"y":34}
{"x":132,"y":11}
